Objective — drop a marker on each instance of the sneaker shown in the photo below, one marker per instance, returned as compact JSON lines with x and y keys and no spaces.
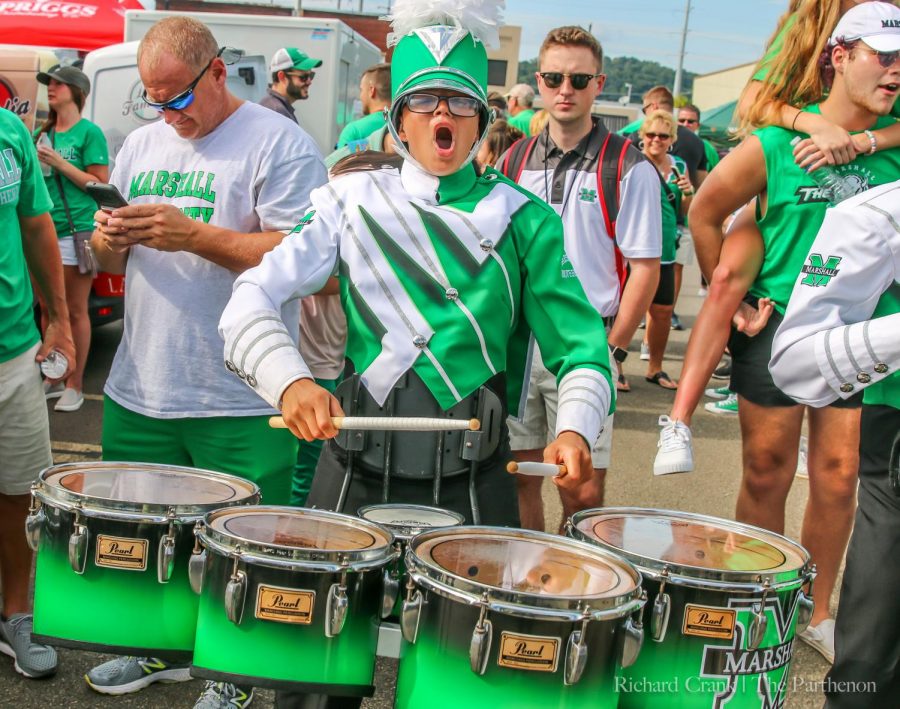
{"x":723,"y":371}
{"x":124,"y":675}
{"x":702,"y":292}
{"x":821,"y":638}
{"x":802,"y":457}
{"x":222,"y":695}
{"x":29,"y":658}
{"x":53,"y":391}
{"x":71,"y":400}
{"x":718,"y":393}
{"x":643,"y":325}
{"x":675,"y":454}
{"x":676,"y":323}
{"x":728,"y":405}
{"x":645,"y":352}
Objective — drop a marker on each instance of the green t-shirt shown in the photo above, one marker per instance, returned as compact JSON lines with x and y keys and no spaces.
{"x":82,"y":145}
{"x":22,"y":194}
{"x":796,"y":208}
{"x":671,"y":210}
{"x":712,"y":155}
{"x":374,"y":142}
{"x":632,"y":127}
{"x":522,"y":121}
{"x":360,"y":130}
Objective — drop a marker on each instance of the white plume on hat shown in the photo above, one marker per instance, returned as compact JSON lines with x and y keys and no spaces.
{"x":481,"y":18}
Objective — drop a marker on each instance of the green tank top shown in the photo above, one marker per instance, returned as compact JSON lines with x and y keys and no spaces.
{"x":887,"y":391}
{"x":796,"y":207}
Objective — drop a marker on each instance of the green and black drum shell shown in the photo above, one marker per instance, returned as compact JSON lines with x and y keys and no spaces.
{"x":118,"y":604}
{"x":292,"y":560}
{"x":717,"y":575}
{"x":469,"y":577}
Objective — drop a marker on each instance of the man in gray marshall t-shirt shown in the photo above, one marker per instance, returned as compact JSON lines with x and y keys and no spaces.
{"x":205,"y":205}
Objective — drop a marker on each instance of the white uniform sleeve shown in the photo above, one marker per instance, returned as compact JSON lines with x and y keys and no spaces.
{"x":258,"y":345}
{"x":827,"y":347}
{"x":639,"y":224}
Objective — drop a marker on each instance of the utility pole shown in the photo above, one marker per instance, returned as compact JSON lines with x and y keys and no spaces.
{"x":676,"y":90}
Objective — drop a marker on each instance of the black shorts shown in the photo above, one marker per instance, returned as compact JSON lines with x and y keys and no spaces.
{"x":750,"y":376}
{"x":665,"y":291}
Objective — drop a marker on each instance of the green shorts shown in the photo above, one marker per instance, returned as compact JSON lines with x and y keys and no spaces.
{"x":240,"y":445}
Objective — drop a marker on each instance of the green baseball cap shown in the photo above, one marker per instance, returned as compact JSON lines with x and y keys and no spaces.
{"x":292,"y":58}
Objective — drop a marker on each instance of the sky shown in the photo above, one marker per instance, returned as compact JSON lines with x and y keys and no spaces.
{"x":721,"y":33}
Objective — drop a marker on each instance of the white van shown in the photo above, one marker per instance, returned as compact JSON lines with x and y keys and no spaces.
{"x":345,"y":55}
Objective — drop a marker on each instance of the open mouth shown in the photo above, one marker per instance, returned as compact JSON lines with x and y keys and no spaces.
{"x":892,"y":87}
{"x":443,"y":141}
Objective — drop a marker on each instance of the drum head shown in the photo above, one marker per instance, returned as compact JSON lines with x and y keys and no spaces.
{"x":297,"y":529}
{"x":653,"y":539}
{"x":406,"y":521}
{"x":520,"y":562}
{"x":139,"y":486}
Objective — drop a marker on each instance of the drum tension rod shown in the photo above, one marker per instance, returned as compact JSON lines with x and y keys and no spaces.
{"x":34,"y":522}
{"x":662,"y":608}
{"x":480,"y":646}
{"x":576,"y":652}
{"x":78,"y":542}
{"x":760,"y":621}
{"x":235,"y":590}
{"x":336,"y":606}
{"x":165,"y":560}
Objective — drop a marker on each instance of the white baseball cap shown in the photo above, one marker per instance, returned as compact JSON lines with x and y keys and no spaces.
{"x":292,"y":58}
{"x":875,"y":23}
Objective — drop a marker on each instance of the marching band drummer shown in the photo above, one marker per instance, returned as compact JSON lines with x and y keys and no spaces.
{"x":841,"y":334}
{"x":444,"y":272}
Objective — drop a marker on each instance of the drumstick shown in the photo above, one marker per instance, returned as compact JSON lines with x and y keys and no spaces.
{"x":539,"y":469}
{"x":395,"y":423}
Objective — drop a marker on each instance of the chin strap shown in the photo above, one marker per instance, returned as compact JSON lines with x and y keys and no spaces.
{"x":402,"y":151}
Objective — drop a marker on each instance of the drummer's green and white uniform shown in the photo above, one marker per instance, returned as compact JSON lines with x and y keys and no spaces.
{"x":794,"y":210}
{"x":840,"y":335}
{"x":443,"y":276}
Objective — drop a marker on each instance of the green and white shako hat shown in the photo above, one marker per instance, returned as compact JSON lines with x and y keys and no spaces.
{"x":442,"y":44}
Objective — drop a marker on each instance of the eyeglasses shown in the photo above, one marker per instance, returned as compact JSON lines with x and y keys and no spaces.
{"x":688,"y":121}
{"x":186,"y":97}
{"x":303,"y":76}
{"x":886,"y":59}
{"x":460,"y":106}
{"x":554,"y":79}
{"x":661,"y":136}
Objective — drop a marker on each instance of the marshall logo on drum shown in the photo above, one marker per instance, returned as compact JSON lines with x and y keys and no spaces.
{"x":528,"y":652}
{"x":121,"y":553}
{"x":285,"y":605}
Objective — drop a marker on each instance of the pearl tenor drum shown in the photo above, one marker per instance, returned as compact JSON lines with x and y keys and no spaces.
{"x":290,"y":598}
{"x":113,"y":542}
{"x":511,"y":619}
{"x":724,"y":602}
{"x":405,"y":522}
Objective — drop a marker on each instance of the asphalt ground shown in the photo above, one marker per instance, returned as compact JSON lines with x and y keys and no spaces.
{"x":711,"y":489}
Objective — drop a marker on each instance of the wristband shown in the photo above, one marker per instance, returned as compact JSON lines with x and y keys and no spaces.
{"x":619,"y":354}
{"x":796,"y":116}
{"x":873,"y":143}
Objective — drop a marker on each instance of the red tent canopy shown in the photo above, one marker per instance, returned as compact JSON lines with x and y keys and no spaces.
{"x":65,"y":24}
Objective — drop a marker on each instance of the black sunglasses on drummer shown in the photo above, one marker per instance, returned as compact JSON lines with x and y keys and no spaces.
{"x":460,"y":106}
{"x":554,"y":79}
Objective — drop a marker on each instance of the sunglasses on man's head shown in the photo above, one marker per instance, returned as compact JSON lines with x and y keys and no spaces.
{"x":460,"y":106}
{"x":186,"y":97}
{"x":661,"y":136}
{"x":554,"y":79}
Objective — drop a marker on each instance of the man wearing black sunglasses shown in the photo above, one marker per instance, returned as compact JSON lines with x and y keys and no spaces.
{"x":211,"y":188}
{"x":292,"y":75}
{"x":608,"y":197}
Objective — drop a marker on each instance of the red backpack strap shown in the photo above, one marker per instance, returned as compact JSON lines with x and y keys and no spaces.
{"x":516,"y":157}
{"x":609,"y":180}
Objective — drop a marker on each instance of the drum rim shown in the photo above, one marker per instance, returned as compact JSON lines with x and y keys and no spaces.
{"x":406,"y":532}
{"x":91,"y":506}
{"x":226,"y":542}
{"x":685,"y":573}
{"x":452,"y":585}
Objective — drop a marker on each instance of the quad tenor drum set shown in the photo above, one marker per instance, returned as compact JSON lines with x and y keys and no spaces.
{"x":632,"y":608}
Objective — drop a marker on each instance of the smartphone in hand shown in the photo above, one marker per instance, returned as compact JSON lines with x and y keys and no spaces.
{"x":106,"y":196}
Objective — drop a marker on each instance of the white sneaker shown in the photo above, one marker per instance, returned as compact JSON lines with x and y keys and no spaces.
{"x":71,"y":400}
{"x":53,"y":391}
{"x":645,"y":352}
{"x":675,"y":454}
{"x":821,"y":638}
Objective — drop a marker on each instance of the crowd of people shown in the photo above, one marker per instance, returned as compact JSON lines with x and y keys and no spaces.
{"x":479,"y":252}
